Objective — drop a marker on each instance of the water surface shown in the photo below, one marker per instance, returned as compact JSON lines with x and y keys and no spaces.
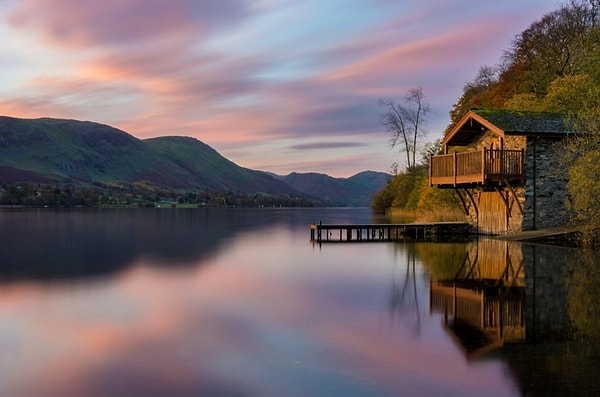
{"x":238,"y":302}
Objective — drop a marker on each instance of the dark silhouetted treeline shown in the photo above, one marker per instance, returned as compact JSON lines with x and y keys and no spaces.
{"x":72,"y":196}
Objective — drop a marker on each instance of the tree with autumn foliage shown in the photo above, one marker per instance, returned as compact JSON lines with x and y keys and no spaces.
{"x":564,"y":42}
{"x":554,"y":65}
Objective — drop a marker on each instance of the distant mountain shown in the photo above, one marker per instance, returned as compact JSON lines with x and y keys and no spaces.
{"x":355,"y":191}
{"x":57,"y":151}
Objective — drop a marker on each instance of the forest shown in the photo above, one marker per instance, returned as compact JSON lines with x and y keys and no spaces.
{"x":76,"y":196}
{"x":553,"y":65}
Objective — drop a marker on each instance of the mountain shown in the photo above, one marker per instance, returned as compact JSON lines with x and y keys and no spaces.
{"x":56,"y":151}
{"x":355,"y":191}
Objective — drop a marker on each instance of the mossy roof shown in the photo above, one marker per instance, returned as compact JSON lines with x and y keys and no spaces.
{"x":506,"y":122}
{"x":516,"y":121}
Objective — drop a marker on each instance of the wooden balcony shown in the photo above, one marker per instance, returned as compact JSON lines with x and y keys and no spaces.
{"x":482,"y":167}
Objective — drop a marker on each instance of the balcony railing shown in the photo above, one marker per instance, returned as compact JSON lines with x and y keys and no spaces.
{"x":476,"y":167}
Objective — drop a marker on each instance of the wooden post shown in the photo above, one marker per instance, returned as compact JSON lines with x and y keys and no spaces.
{"x":455,"y":168}
{"x":319,"y":231}
{"x":483,"y":163}
{"x":502,"y":167}
{"x":430,"y":169}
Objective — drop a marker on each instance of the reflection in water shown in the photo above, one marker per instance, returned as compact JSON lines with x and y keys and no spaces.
{"x":404,"y":297}
{"x":503,"y":292}
{"x":257,"y":310}
{"x":90,"y":243}
{"x":483,"y":303}
{"x":583,"y":292}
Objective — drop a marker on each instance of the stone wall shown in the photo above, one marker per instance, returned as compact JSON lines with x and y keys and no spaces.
{"x":545,"y":185}
{"x":489,"y":139}
{"x":542,"y":198}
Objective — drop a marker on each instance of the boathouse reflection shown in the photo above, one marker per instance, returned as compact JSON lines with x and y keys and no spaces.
{"x":493,"y":292}
{"x":483,"y":302}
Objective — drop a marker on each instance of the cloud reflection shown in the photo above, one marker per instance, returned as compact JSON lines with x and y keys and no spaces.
{"x":254,"y":322}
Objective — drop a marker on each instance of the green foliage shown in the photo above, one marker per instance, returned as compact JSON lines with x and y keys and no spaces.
{"x":584,"y":187}
{"x":407,"y":183}
{"x":525,"y":101}
{"x":383,"y":199}
{"x":410,"y":191}
{"x":398,"y":192}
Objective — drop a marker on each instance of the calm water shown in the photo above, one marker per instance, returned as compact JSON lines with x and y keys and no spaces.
{"x":238,"y":302}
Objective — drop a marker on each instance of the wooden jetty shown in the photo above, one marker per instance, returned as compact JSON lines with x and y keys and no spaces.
{"x":385,"y":232}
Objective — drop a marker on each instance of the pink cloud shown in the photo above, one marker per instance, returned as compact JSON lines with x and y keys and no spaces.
{"x":421,"y":57}
{"x":122,"y":22}
{"x":152,"y":68}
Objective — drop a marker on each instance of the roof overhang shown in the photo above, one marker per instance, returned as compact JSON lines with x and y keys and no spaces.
{"x":468,"y":129}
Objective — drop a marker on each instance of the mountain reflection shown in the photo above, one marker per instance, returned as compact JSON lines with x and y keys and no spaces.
{"x":47,"y":244}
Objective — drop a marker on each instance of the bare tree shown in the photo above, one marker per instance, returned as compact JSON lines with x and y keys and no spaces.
{"x":405,"y":121}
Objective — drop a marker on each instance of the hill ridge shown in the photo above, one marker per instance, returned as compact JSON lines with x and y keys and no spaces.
{"x":85,"y":152}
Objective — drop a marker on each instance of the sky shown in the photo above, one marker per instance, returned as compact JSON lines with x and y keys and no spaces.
{"x":274,"y":85}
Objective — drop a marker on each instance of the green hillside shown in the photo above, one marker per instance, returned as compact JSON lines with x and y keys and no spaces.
{"x":82,"y":152}
{"x":78,"y":151}
{"x":211,"y":170}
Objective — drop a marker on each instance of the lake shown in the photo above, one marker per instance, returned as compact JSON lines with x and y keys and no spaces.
{"x":239,"y":302}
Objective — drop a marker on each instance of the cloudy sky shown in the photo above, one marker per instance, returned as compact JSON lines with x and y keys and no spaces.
{"x":275,"y":85}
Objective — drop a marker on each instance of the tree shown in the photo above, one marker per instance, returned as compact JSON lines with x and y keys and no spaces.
{"x":473,"y":94}
{"x":562,"y":43}
{"x":405,"y":121}
{"x":555,"y":46}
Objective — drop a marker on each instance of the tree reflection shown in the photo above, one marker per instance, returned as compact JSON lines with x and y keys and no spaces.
{"x":404,"y":297}
{"x":583,"y":292}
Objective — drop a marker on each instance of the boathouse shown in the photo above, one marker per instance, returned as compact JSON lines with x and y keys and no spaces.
{"x":505,"y":168}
